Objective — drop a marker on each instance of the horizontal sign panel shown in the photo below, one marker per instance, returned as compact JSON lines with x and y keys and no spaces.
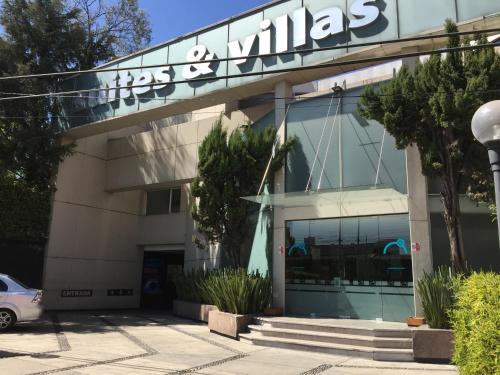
{"x":172,"y":71}
{"x":120,"y":292}
{"x":71,"y":293}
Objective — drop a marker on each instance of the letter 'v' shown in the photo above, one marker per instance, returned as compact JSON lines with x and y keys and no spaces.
{"x":235,"y":49}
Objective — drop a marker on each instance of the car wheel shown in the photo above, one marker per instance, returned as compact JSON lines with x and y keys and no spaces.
{"x":7,"y":319}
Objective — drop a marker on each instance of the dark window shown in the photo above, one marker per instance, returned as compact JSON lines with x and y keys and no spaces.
{"x":158,"y":202}
{"x":162,"y":202}
{"x":175,"y":205}
{"x":3,"y":286}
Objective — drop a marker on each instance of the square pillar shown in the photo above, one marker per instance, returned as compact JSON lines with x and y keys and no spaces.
{"x":282,"y":91}
{"x":420,"y":232}
{"x":418,"y":207}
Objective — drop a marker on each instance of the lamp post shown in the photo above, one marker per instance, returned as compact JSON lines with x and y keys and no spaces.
{"x":486,"y":129}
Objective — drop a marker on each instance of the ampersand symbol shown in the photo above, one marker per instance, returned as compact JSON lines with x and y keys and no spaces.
{"x":195,"y":54}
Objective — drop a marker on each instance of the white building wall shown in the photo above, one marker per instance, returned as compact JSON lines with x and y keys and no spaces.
{"x":93,"y":234}
{"x":99,"y":229}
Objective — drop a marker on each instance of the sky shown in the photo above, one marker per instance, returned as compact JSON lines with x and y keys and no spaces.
{"x":172,"y":18}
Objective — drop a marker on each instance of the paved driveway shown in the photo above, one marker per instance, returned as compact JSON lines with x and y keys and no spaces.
{"x":138,"y":342}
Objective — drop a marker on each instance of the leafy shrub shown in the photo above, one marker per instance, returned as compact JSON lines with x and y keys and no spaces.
{"x":437,"y":292}
{"x":231,"y":290}
{"x":188,"y":286}
{"x":238,"y":292}
{"x":476,"y":325}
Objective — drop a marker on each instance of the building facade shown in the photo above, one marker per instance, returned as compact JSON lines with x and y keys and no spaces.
{"x":350,"y":222}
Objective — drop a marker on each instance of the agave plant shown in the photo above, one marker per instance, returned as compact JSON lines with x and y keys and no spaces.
{"x":188,"y":286}
{"x":437,"y":291}
{"x":238,"y":292}
{"x":231,"y":290}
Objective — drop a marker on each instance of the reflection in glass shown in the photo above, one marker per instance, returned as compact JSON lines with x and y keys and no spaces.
{"x":356,"y":267}
{"x":351,"y":159}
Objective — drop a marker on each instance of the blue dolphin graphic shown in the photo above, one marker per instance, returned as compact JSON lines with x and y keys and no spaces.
{"x":400,"y":243}
{"x":297,"y":246}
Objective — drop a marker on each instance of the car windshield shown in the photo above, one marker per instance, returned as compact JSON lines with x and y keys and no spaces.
{"x":19,"y":282}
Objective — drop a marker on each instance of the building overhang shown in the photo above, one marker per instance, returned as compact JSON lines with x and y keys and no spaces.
{"x":347,"y":202}
{"x":187,"y":97}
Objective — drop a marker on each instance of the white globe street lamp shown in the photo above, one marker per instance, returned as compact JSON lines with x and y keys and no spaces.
{"x":486,"y":129}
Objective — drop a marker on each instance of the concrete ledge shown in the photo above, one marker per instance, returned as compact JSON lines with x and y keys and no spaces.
{"x":192,"y":310}
{"x":432,"y":345}
{"x":228,"y":324}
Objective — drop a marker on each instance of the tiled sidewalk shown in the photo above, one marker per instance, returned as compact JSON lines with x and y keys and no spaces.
{"x":137,"y":342}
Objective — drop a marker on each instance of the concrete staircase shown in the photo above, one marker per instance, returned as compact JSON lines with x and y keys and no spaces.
{"x":352,"y":338}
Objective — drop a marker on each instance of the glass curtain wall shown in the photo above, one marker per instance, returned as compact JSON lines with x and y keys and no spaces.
{"x":356,"y":268}
{"x":351,"y":267}
{"x":346,"y":153}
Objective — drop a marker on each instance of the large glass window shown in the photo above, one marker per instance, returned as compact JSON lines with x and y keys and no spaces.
{"x":346,"y":153}
{"x":352,"y":267}
{"x":161,"y":202}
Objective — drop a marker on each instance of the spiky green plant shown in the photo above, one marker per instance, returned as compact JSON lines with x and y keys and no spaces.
{"x":238,"y":292}
{"x":188,"y":286}
{"x":437,"y":291}
{"x":232,"y":290}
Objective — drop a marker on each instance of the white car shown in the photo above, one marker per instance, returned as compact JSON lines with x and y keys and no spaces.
{"x":17,"y":302}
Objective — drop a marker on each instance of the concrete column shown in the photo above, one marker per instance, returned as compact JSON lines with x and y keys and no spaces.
{"x":420,"y":231}
{"x":418,"y":206}
{"x":282,"y":91}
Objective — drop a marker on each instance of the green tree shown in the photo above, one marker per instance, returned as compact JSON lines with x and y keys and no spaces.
{"x":230,"y":168}
{"x":432,"y":107}
{"x":110,"y":29}
{"x":43,"y":36}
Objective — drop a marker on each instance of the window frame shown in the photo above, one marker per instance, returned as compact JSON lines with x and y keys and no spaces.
{"x":170,"y":197}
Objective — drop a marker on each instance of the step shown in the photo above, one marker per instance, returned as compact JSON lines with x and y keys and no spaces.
{"x":377,"y":354}
{"x":333,"y":328}
{"x":334,"y":338}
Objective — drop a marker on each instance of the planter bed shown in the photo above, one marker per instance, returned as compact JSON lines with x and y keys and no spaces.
{"x":432,"y":345}
{"x":193,"y":310}
{"x":228,"y":324}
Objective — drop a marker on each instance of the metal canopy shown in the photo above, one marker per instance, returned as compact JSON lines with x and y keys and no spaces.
{"x":329,"y":197}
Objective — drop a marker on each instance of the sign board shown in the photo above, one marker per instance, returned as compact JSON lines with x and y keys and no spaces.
{"x":278,"y":27}
{"x":72,"y":293}
{"x":120,"y":292}
{"x":415,"y":247}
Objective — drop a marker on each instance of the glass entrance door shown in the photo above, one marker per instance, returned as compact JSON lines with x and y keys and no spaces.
{"x":159,"y":268}
{"x":358,"y":268}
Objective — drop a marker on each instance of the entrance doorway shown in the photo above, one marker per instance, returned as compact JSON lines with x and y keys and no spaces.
{"x":158,"y":271}
{"x":357,"y":267}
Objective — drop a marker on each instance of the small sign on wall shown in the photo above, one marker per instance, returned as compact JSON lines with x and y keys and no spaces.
{"x":415,"y":247}
{"x":72,"y":293}
{"x":120,"y":292}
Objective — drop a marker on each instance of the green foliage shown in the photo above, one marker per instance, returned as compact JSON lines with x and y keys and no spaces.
{"x":43,"y":36}
{"x":432,"y":107}
{"x":437,"y":291}
{"x":476,"y":325}
{"x":24,"y":210}
{"x":231,"y":290}
{"x":237,"y":292}
{"x":231,"y":167}
{"x":189,"y":286}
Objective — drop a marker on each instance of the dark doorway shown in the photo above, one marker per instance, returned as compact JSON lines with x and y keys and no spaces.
{"x":23,"y":260}
{"x":159,"y":268}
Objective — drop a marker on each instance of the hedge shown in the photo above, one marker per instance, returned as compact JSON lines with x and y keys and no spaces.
{"x":476,"y":325}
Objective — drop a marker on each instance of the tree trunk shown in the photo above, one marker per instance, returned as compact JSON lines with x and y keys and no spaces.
{"x":451,"y":202}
